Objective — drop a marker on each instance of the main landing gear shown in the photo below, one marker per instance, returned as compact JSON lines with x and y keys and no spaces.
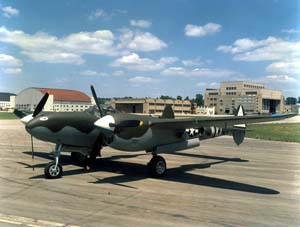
{"x":82,"y":159}
{"x":157,"y":166}
{"x":54,"y":169}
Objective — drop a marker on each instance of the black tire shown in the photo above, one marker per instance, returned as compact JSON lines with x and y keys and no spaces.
{"x":51,"y":172}
{"x":157,"y":166}
{"x":80,"y":159}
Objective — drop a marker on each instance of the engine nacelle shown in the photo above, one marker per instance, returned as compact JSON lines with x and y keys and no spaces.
{"x":210,"y":132}
{"x":238,"y":136}
{"x":238,"y":133}
{"x":187,"y":144}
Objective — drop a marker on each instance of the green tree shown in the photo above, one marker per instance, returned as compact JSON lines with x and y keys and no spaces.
{"x":179,"y":97}
{"x":187,"y":98}
{"x":199,"y":100}
{"x":290,"y":101}
{"x":166,"y":97}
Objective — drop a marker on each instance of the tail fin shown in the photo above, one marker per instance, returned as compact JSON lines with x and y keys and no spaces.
{"x":168,"y":112}
{"x":240,"y":111}
{"x":239,"y":131}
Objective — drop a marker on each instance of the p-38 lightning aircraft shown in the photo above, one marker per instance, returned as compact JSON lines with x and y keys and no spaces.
{"x":83,"y":134}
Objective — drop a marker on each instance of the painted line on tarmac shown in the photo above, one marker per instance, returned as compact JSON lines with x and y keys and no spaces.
{"x":30,"y":222}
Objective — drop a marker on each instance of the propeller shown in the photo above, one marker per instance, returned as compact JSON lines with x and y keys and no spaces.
{"x":28,"y":118}
{"x":40,"y":105}
{"x":97,"y":102}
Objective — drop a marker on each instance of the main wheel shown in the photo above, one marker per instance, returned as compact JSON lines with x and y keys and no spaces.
{"x":52,"y":172}
{"x":78,"y":158}
{"x":157,"y":166}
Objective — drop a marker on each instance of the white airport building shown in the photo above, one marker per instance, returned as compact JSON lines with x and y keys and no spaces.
{"x":7,"y":101}
{"x":60,"y":100}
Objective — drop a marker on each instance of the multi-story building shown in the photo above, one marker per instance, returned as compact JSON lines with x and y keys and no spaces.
{"x":151,"y":106}
{"x":254,"y":97}
{"x":7,"y":101}
{"x":60,"y":100}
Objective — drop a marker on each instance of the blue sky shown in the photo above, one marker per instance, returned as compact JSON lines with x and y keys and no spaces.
{"x":149,"y":48}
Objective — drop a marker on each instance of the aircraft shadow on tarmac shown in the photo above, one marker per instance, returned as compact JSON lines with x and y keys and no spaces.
{"x":129,"y":172}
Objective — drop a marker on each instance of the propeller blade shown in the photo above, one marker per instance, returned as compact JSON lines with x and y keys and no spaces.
{"x":32,"y":153}
{"x":96,"y":100}
{"x":40,"y":105}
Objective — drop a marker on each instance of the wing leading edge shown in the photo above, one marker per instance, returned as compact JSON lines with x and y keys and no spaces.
{"x":222,"y":122}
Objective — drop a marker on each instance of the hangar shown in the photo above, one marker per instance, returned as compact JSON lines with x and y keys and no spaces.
{"x":60,"y":100}
{"x":151,"y":106}
{"x":253,"y":96}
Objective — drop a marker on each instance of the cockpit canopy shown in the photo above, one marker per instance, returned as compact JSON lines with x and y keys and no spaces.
{"x":107,"y":109}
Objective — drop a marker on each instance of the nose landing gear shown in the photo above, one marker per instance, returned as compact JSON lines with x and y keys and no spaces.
{"x":54,"y":169}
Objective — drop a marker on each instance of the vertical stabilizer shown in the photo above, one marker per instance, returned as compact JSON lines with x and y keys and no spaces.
{"x":168,"y":112}
{"x":239,"y":113}
{"x":239,"y":132}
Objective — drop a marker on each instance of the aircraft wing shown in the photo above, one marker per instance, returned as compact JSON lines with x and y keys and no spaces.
{"x":222,"y":122}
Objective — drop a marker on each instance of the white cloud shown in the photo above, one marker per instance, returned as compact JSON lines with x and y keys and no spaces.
{"x":262,"y":50}
{"x":118,"y":73}
{"x":92,"y":73}
{"x":281,"y":79}
{"x":175,"y":71}
{"x":55,"y":57}
{"x":9,"y":11}
{"x":208,"y":85}
{"x":140,"y":41}
{"x":285,"y":53}
{"x":42,"y":47}
{"x":145,"y":41}
{"x":168,"y":60}
{"x":134,"y":62}
{"x":9,"y":61}
{"x":199,"y":31}
{"x":198,"y":72}
{"x":140,"y":23}
{"x":11,"y":71}
{"x":291,"y":31}
{"x":192,"y":62}
{"x":141,"y":80}
{"x":98,"y":13}
{"x":10,"y":64}
{"x":288,"y":66}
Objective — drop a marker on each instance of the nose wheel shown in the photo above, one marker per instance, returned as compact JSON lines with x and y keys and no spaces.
{"x":157,"y":166}
{"x":54,"y":169}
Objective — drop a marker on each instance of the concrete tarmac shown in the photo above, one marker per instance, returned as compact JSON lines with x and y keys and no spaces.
{"x":216,"y":184}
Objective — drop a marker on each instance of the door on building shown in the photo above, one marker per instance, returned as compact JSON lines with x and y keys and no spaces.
{"x":272,"y":107}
